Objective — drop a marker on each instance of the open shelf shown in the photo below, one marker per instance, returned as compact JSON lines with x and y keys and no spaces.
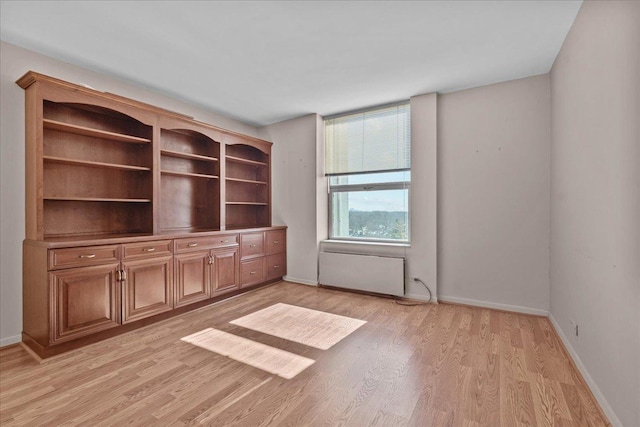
{"x":247,"y":181}
{"x":67,"y":161}
{"x":174,"y":230}
{"x":86,"y":131}
{"x":245,"y":161}
{"x":95,"y":199}
{"x":181,"y":155}
{"x":193,"y":175}
{"x":248,"y":203}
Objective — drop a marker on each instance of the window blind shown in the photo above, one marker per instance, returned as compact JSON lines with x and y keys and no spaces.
{"x":376,"y":140}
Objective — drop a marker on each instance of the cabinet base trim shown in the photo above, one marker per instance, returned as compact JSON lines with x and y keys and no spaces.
{"x":46,"y":352}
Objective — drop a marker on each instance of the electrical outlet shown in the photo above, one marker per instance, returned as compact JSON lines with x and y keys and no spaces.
{"x":574,"y":326}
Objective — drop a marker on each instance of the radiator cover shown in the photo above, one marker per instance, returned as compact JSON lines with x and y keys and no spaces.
{"x":383,"y":275}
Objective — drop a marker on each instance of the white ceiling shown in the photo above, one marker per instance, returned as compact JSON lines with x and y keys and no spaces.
{"x":263,"y":62}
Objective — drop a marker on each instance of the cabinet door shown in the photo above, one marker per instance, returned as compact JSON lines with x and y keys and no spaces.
{"x":85,"y":300}
{"x":225,"y":270}
{"x":147,"y":288}
{"x":192,"y":278}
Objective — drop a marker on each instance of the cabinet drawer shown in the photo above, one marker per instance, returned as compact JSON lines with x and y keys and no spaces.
{"x":275,"y":266}
{"x":146,"y":249}
{"x":184,"y":245}
{"x":79,"y":257}
{"x":251,"y":245}
{"x":275,"y":242}
{"x":252,"y":272}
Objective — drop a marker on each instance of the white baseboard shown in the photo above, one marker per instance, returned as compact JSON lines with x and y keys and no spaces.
{"x":613,"y":419}
{"x":496,"y":305}
{"x":10,"y":340}
{"x":301,"y":281}
{"x":421,"y":297}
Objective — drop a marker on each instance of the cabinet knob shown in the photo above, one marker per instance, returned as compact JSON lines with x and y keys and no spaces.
{"x":88,"y":256}
{"x":253,"y":245}
{"x":276,"y":266}
{"x":275,"y":242}
{"x":192,"y":245}
{"x":149,"y":249}
{"x":252,"y":273}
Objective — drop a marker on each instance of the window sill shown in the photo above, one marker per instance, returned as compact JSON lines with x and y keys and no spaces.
{"x":357,"y":243}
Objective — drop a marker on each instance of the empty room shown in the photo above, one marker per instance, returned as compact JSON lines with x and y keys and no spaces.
{"x":320,"y":213}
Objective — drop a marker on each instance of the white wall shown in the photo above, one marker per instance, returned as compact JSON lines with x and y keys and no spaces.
{"x":14,"y":62}
{"x":294,"y":197}
{"x":493,"y":195}
{"x":595,"y":201}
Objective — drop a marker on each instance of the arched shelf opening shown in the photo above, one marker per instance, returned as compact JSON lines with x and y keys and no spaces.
{"x":247,"y":187}
{"x":98,"y":161}
{"x":189,"y":182}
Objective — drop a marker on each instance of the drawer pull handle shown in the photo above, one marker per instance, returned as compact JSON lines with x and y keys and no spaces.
{"x":253,"y":245}
{"x":225,"y":241}
{"x":276,"y":266}
{"x":192,"y":245}
{"x":149,"y":249}
{"x":275,"y":242}
{"x":88,"y":256}
{"x":252,"y":273}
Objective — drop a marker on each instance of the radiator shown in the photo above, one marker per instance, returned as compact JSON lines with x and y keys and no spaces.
{"x":383,"y":275}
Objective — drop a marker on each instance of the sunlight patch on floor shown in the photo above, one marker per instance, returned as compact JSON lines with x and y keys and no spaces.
{"x":302,"y":325}
{"x":270,"y":359}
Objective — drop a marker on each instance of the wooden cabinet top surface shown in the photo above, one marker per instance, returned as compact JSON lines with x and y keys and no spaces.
{"x":76,"y":241}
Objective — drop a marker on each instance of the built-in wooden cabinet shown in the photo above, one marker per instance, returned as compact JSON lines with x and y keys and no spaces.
{"x":129,"y":212}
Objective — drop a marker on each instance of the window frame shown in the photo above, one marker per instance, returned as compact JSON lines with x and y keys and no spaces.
{"x":381,"y":186}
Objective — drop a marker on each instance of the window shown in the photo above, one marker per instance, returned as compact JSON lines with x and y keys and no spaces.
{"x":368,"y":162}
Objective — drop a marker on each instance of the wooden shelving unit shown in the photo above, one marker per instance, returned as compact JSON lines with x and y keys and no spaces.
{"x":128,"y":212}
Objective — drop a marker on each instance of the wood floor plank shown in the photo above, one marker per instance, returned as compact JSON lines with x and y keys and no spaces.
{"x":429,"y":365}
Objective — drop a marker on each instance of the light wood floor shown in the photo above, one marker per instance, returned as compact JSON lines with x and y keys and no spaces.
{"x":435,"y":365}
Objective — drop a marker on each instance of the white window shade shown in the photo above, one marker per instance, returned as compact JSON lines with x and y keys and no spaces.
{"x":377,"y":140}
